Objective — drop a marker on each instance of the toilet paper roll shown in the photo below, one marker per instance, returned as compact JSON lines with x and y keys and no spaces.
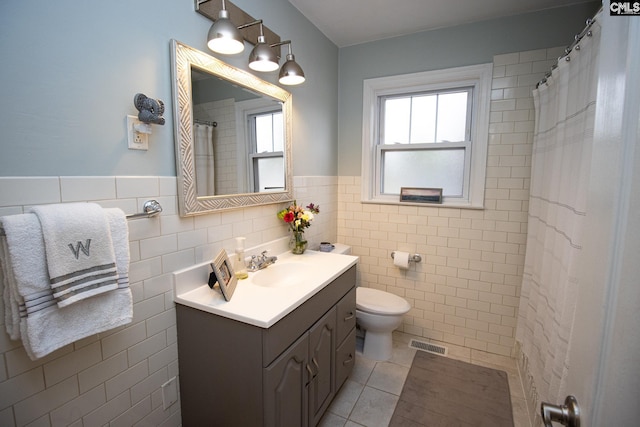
{"x":401,"y":260}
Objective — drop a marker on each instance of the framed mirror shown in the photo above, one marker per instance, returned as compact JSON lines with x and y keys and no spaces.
{"x":232,"y":135}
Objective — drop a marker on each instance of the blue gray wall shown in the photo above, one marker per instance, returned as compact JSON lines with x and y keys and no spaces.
{"x":445,"y":48}
{"x":70,"y":70}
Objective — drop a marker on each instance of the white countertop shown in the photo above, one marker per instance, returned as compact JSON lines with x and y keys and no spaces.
{"x":261,"y":305}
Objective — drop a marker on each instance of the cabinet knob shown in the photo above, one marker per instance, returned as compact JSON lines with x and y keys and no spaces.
{"x":349,"y":316}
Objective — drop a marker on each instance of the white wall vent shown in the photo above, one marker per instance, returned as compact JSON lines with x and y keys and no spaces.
{"x":428,"y":347}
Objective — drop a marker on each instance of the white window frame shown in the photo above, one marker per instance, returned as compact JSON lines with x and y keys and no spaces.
{"x":244,"y":110}
{"x":478,"y":77}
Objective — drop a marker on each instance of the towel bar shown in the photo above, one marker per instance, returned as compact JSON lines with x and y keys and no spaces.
{"x":149,"y":209}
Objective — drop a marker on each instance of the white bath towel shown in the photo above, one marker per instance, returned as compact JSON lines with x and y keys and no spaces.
{"x":43,"y":326}
{"x":24,"y":269}
{"x":120,"y":236}
{"x":10,"y":299}
{"x":79,"y":250}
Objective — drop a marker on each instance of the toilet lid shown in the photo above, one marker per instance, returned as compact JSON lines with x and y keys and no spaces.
{"x":380,"y":302}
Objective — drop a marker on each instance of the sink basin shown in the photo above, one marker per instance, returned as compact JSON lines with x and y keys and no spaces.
{"x":281,"y":275}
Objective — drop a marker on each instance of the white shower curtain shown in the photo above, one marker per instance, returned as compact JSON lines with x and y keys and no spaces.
{"x":204,"y":158}
{"x":561,"y":161}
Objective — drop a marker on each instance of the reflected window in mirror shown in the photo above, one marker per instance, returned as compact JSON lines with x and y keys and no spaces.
{"x":267,"y":151}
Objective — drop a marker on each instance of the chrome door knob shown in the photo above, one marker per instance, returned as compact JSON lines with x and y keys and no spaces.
{"x":567,"y":414}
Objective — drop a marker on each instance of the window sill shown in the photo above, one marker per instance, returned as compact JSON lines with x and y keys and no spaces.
{"x":448,"y":205}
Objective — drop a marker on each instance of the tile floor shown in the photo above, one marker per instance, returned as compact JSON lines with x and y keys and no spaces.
{"x":369,"y":396}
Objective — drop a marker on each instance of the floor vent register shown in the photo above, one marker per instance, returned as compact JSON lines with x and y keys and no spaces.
{"x":428,"y":347}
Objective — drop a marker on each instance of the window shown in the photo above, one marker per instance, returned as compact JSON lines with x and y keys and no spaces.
{"x":267,"y":151}
{"x":260,"y":132}
{"x":427,"y":130}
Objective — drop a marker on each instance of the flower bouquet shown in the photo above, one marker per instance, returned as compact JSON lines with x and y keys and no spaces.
{"x":298,"y":218}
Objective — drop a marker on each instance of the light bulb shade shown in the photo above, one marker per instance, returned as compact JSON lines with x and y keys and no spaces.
{"x":291,"y":73}
{"x":262,"y":57}
{"x":224,"y":37}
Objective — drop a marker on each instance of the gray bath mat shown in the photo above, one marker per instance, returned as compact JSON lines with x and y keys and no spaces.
{"x":443,"y":392}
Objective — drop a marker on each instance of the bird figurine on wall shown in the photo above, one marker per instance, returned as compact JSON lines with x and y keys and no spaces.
{"x":150,"y":110}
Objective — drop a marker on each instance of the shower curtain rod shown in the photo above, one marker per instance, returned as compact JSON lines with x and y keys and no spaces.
{"x":204,"y":122}
{"x":576,"y":39}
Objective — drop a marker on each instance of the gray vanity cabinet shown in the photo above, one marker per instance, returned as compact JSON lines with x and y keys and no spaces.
{"x":233,"y":373}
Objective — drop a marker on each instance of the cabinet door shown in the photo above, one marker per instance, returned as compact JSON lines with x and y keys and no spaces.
{"x":285,"y":387}
{"x":322,"y":345}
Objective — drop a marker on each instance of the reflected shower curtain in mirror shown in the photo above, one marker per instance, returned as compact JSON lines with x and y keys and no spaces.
{"x":203,"y":154}
{"x":561,"y":161}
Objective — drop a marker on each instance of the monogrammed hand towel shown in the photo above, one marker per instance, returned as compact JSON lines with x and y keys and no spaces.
{"x":79,"y":250}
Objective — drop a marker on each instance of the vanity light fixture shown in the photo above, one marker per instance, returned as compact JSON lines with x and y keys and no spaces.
{"x":291,"y":73}
{"x":224,"y":37}
{"x":262,"y":57}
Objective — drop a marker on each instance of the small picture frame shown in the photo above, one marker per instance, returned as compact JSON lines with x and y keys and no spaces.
{"x":224,"y":274}
{"x":421,"y":195}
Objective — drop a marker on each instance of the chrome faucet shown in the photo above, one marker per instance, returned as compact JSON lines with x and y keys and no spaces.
{"x":258,"y":262}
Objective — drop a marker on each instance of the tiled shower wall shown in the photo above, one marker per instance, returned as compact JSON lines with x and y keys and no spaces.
{"x":115,"y":378}
{"x":466,"y":289}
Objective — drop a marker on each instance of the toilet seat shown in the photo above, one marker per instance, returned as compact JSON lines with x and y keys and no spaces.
{"x":379,"y":302}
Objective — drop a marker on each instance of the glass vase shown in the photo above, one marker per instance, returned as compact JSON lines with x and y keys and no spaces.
{"x":297,"y":243}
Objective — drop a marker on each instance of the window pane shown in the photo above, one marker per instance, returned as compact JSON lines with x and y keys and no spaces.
{"x":443,"y":168}
{"x":269,"y":173}
{"x":264,"y":133}
{"x":452,"y":117}
{"x":397,"y":115}
{"x":278,"y":132}
{"x":423,"y":119}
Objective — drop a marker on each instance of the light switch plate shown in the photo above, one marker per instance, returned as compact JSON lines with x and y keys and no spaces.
{"x":137,"y":140}
{"x":169,"y":393}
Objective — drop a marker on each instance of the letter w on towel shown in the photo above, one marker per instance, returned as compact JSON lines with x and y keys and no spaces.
{"x":80,"y":246}
{"x":79,"y":250}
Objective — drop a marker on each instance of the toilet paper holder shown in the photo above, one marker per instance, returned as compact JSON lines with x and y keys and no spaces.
{"x":412,"y":258}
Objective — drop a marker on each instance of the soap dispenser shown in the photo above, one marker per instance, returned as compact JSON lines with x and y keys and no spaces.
{"x":239,"y":265}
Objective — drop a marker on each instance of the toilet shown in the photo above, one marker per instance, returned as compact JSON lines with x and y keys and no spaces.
{"x":378,"y":313}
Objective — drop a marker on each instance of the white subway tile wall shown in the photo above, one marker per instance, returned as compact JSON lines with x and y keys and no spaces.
{"x":466,"y":289}
{"x":115,"y":377}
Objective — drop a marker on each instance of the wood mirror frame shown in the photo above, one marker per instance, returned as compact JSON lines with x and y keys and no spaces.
{"x":183,"y":58}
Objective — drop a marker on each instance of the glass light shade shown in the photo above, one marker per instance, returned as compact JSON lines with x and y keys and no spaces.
{"x":291,"y":73}
{"x":262,"y":57}
{"x":224,"y":37}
